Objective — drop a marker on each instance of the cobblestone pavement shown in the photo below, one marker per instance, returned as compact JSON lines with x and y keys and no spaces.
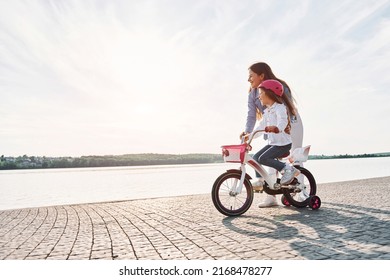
{"x":353,"y":223}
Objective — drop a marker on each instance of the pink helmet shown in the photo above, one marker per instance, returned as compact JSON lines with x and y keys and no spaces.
{"x":273,"y":85}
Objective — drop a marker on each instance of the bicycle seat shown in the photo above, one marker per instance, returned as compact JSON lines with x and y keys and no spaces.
{"x":284,"y":156}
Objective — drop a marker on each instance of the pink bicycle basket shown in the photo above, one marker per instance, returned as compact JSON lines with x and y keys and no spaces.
{"x":234,"y":153}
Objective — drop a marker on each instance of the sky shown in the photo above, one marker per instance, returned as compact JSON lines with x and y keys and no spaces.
{"x":170,"y":76}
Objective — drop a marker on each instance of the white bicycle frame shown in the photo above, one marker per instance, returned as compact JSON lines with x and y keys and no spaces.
{"x":299,"y":155}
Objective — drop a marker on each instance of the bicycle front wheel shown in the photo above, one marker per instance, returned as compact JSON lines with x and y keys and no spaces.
{"x":225,"y":198}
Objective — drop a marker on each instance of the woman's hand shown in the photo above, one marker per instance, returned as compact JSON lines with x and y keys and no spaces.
{"x":287,"y":129}
{"x":244,"y":136}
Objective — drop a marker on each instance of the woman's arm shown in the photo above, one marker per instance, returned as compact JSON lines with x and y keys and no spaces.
{"x":261,"y":127}
{"x":251,"y":117}
{"x":253,"y":104}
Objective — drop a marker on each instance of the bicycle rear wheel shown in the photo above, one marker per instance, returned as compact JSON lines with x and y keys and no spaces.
{"x":226,"y":200}
{"x":308,"y":187}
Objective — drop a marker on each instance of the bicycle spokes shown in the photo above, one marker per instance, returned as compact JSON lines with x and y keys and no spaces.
{"x":226,"y":198}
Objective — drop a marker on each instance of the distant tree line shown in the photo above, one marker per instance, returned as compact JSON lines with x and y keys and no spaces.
{"x":30,"y":162}
{"x":349,"y":156}
{"x":24,"y":162}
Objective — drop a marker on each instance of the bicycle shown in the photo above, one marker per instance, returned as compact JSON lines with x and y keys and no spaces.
{"x":232,"y":191}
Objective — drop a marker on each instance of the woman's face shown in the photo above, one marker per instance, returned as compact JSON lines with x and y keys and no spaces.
{"x":254,"y":79}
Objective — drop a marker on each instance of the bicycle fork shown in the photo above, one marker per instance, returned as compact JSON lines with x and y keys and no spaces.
{"x":237,"y":189}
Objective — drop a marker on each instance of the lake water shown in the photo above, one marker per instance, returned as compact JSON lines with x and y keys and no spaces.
{"x":46,"y":187}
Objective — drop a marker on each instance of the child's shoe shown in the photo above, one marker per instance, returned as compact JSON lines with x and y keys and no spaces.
{"x":289,"y":173}
{"x":270,"y":200}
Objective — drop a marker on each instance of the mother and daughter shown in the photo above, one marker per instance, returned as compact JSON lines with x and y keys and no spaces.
{"x":270,"y":101}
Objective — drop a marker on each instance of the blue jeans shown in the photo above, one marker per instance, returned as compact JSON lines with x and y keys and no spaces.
{"x":268,"y":156}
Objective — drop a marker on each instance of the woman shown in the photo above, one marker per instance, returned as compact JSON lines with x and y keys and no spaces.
{"x":258,"y":73}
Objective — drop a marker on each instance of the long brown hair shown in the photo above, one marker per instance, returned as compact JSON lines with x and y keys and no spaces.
{"x":263,"y":68}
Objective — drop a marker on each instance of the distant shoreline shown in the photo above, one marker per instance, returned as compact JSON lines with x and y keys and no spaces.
{"x":33,"y":162}
{"x":350,"y":156}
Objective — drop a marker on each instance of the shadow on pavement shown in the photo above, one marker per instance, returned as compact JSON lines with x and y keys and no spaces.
{"x":336,"y":231}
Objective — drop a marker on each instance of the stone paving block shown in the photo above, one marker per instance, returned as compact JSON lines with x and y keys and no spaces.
{"x":57,"y":257}
{"x":79,"y":257}
{"x":383,"y":257}
{"x":36,"y":257}
{"x":101,"y":254}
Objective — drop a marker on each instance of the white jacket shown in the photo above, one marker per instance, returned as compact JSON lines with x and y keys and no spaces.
{"x":276,"y":115}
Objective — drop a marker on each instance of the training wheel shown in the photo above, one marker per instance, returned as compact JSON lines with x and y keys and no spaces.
{"x":285,"y":201}
{"x":315,"y":202}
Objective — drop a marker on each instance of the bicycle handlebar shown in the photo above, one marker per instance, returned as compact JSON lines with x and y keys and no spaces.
{"x":250,"y":136}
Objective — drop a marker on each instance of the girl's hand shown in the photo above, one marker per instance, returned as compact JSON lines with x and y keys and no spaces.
{"x":272,"y":129}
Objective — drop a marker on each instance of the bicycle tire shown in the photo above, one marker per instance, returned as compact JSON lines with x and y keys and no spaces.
{"x":310,"y":182}
{"x":224,"y":201}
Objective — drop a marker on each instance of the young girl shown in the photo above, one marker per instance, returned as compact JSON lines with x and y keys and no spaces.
{"x":274,"y":122}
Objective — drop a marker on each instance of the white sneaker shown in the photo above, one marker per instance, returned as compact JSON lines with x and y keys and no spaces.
{"x":289,"y":173}
{"x":270,"y":200}
{"x":258,"y":185}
